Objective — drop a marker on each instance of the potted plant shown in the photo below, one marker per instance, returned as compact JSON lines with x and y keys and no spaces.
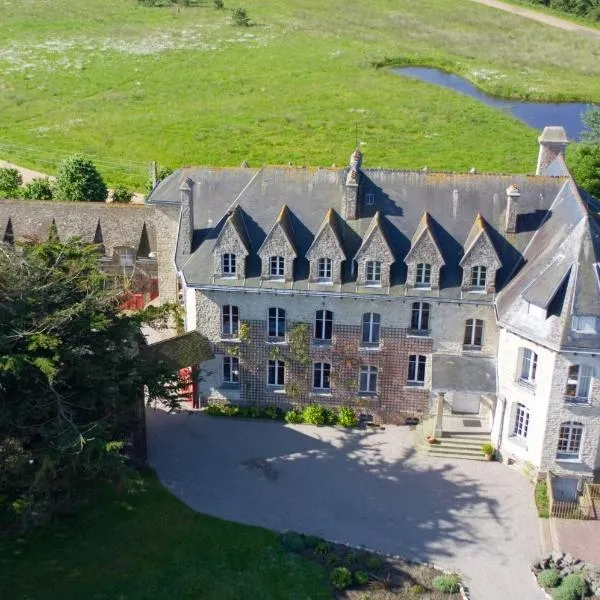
{"x":430,"y":439}
{"x":488,"y":451}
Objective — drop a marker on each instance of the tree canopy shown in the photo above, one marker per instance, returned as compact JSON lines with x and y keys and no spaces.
{"x":77,"y":180}
{"x":71,"y":376}
{"x":584,"y":158}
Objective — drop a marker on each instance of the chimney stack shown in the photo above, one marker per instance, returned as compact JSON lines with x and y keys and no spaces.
{"x":351,"y":189}
{"x":512,"y":208}
{"x":553,"y":142}
{"x":186,"y":221}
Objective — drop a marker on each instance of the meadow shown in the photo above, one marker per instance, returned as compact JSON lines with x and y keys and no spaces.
{"x":128,"y":84}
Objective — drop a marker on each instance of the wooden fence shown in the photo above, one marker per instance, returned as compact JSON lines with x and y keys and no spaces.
{"x":584,"y":507}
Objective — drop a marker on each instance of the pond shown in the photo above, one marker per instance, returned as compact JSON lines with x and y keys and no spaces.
{"x":535,"y":114}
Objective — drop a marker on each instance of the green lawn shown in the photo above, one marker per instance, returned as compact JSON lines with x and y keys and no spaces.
{"x":128,"y":84}
{"x":148,"y":545}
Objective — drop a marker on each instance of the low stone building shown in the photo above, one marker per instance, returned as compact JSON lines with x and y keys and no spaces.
{"x":387,"y":289}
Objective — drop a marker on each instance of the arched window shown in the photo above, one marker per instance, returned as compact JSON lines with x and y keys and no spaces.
{"x":322,"y":376}
{"x":473,"y":333}
{"x":323,"y":325}
{"x":276,"y":373}
{"x":416,"y":370}
{"x":423,"y":278}
{"x":228,"y":264}
{"x":373,"y":272}
{"x":570,"y":438}
{"x":276,"y":267}
{"x":230,"y":322}
{"x":420,"y":316}
{"x":276,"y":323}
{"x":324,"y":269}
{"x":579,"y":382}
{"x":371,"y":325}
{"x":478,"y":276}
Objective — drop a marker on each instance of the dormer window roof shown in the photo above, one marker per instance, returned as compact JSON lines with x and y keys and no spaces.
{"x":327,"y":249}
{"x":375,"y":255}
{"x":278,"y":250}
{"x":480,"y":260}
{"x":424,"y":259}
{"x":232,"y":247}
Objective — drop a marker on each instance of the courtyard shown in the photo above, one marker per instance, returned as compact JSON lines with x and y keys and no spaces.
{"x":366,"y":488}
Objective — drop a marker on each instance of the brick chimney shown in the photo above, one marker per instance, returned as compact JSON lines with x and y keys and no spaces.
{"x":512,"y":208}
{"x":553,"y":142}
{"x":351,"y":188}
{"x":186,"y":221}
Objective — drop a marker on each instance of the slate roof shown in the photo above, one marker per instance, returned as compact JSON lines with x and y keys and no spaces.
{"x":463,"y":373}
{"x":451,"y":199}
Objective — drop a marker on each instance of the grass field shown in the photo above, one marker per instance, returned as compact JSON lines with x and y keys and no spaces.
{"x":149,"y":545}
{"x":128,"y":84}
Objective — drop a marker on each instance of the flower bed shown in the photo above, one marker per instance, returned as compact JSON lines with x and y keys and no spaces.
{"x":564,"y":577}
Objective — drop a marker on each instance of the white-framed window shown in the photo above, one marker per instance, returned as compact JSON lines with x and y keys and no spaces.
{"x":521,"y":424}
{"x":324,"y":269}
{"x":373,"y":272}
{"x":231,"y":369}
{"x":371,"y":328}
{"x":423,"y":278}
{"x":276,"y":326}
{"x":126,"y":256}
{"x":416,"y":369}
{"x":228,"y":264}
{"x":323,"y":324}
{"x":528,"y":365}
{"x":570,"y":437}
{"x":584,"y":324}
{"x":369,"y":198}
{"x":321,"y":376}
{"x":367,"y":380}
{"x":478,"y":276}
{"x":579,"y":380}
{"x":276,"y":267}
{"x":276,"y":372}
{"x":230,"y":320}
{"x":473,"y":332}
{"x":419,"y":320}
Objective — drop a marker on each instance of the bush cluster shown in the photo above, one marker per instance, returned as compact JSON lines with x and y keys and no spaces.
{"x":446,"y":584}
{"x":272,"y":413}
{"x":589,"y":9}
{"x":341,"y":578}
{"x":572,"y":588}
{"x":549,"y":578}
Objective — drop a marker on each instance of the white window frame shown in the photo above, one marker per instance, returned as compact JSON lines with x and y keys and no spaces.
{"x":521,"y":421}
{"x":373,"y":272}
{"x":231,"y":370}
{"x":581,"y":379}
{"x":422,"y":310}
{"x":276,"y":373}
{"x":277,"y":316}
{"x":232,"y":313}
{"x":368,"y":379}
{"x":326,"y":316}
{"x":371,"y":325}
{"x":584,"y":324}
{"x":478,"y":277}
{"x":471,"y":328}
{"x":570,"y":433}
{"x":417,"y":366}
{"x":423,"y":275}
{"x":126,"y":256}
{"x":322,"y":376}
{"x":528,"y":360}
{"x":229,"y":264}
{"x":325,"y":269}
{"x":369,"y":199}
{"x":277,"y":267}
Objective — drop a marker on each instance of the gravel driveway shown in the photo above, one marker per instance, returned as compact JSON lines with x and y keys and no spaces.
{"x":359,"y":487}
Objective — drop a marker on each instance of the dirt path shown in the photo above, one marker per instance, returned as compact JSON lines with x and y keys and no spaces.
{"x":542,"y":18}
{"x":28,"y":175}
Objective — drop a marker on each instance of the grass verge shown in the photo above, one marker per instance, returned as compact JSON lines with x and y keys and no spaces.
{"x":147,"y":544}
{"x":541,"y":499}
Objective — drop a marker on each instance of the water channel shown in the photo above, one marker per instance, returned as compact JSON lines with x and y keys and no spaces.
{"x":535,"y":114}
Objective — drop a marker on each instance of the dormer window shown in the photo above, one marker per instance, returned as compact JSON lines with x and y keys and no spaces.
{"x":324,"y":269}
{"x":277,"y":267}
{"x":423,"y":277}
{"x":584,"y":324}
{"x":478,"y":277}
{"x":125,"y":256}
{"x":373,"y":275}
{"x":228,"y":264}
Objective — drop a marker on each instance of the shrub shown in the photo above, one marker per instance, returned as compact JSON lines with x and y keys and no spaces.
{"x":487,"y":449}
{"x":373,"y":563}
{"x":312,"y":541}
{"x":564,"y":592}
{"x":10,"y":182}
{"x":576,"y":583}
{"x":331,"y":417}
{"x":240,"y":17}
{"x":314,"y":414}
{"x":293,"y":541}
{"x":39,"y":189}
{"x":341,"y":578}
{"x":346,"y":417}
{"x":272,"y":412}
{"x":214,"y":410}
{"x":293,"y":416}
{"x":219,"y":4}
{"x":122,"y":195}
{"x":447,"y":584}
{"x":549,"y":578}
{"x":78,"y":180}
{"x":361,"y":577}
{"x":322,"y":548}
{"x":541,"y":499}
{"x":416,"y":589}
